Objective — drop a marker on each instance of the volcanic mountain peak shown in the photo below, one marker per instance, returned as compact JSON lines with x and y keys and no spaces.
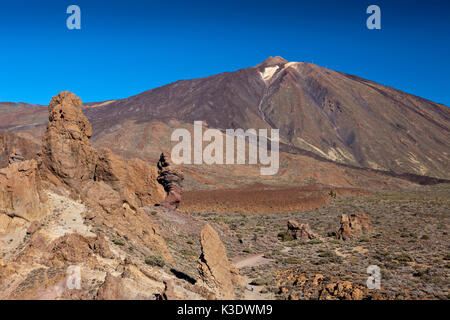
{"x":272,"y":62}
{"x":332,"y":115}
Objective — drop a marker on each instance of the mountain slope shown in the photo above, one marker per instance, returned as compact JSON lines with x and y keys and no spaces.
{"x":333,"y":115}
{"x":337,"y":116}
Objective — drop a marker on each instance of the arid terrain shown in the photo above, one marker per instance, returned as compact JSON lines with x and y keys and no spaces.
{"x":408,"y":241}
{"x":364,"y":180}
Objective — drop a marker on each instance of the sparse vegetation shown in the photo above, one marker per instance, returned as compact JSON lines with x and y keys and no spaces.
{"x":285,"y":236}
{"x":155,"y":260}
{"x":315,"y":241}
{"x":118,"y":241}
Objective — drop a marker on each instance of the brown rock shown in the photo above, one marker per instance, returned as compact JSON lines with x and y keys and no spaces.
{"x":20,"y":192}
{"x":71,"y":248}
{"x":136,"y":181}
{"x":171,"y":179}
{"x":15,"y":157}
{"x":214,"y":268}
{"x":67,"y":154}
{"x":114,"y":211}
{"x":300,"y":231}
{"x":168,"y":293}
{"x":111,"y":289}
{"x":33,"y":227}
{"x":14,"y":148}
{"x":318,"y":279}
{"x":357,"y":294}
{"x":353,"y":226}
{"x":101,"y":247}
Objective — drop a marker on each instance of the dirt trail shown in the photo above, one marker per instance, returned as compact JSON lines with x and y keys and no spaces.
{"x":253,"y":292}
{"x":251,"y":261}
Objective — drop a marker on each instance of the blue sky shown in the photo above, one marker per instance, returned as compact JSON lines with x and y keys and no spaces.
{"x":127,"y":47}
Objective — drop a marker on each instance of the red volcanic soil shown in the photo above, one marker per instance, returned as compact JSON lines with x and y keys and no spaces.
{"x":260,"y":199}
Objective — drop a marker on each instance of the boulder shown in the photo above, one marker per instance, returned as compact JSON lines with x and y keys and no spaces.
{"x":111,"y":289}
{"x":353,"y":226}
{"x":20,"y":192}
{"x":215,"y":270}
{"x":300,"y":231}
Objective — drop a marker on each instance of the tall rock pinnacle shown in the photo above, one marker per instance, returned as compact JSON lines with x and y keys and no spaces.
{"x":66,"y":149}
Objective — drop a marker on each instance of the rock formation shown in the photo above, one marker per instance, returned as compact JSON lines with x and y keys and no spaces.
{"x":67,"y":154}
{"x":75,"y":206}
{"x":171,"y":179}
{"x":14,"y":148}
{"x":20,"y":193}
{"x":136,"y":180}
{"x":300,"y":231}
{"x":43,"y":201}
{"x":216,"y":272}
{"x":15,"y":156}
{"x":353,"y":226}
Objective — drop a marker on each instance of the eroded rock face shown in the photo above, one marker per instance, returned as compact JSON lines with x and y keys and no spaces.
{"x":353,"y":226}
{"x":214,"y":267}
{"x":111,"y":289}
{"x":136,"y":181}
{"x":67,"y":154}
{"x":43,"y":200}
{"x":20,"y":192}
{"x":171,"y":179}
{"x":300,"y":231}
{"x":15,"y":156}
{"x":14,"y":148}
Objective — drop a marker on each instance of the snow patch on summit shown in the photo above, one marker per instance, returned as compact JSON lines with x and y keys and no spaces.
{"x":268,"y":73}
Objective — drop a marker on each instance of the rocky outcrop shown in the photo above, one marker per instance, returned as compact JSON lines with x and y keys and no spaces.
{"x":111,"y":289}
{"x":43,"y":200}
{"x":297,"y":285}
{"x":20,"y":193}
{"x":136,"y":181}
{"x":67,"y":154}
{"x":300,"y":231}
{"x":353,"y":226}
{"x":76,"y":206}
{"x":171,"y":179}
{"x":15,"y":156}
{"x":14,"y":148}
{"x":216,"y":272}
{"x":168,"y":293}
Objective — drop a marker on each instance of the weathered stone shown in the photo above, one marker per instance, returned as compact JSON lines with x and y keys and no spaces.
{"x":20,"y":192}
{"x":353,"y":226}
{"x":67,"y":154}
{"x":171,"y":179}
{"x":136,"y":181}
{"x":300,"y":231}
{"x":214,"y":268}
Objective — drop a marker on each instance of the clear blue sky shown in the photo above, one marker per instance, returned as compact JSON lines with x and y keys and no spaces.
{"x":126,"y":47}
